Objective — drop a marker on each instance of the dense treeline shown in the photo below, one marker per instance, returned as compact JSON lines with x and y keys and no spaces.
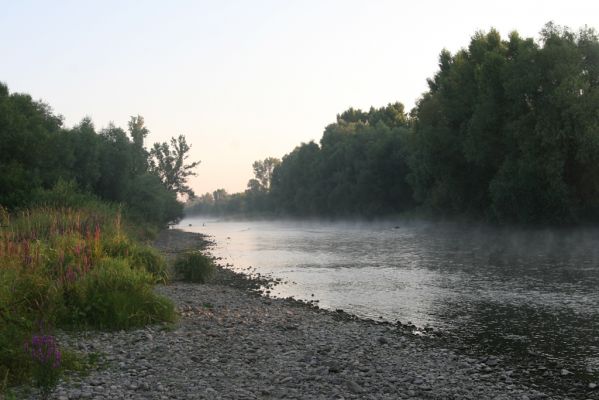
{"x":38,"y":154}
{"x":358,"y":168}
{"x":508,"y":131}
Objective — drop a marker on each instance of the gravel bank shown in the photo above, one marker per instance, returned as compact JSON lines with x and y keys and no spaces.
{"x":231,"y":343}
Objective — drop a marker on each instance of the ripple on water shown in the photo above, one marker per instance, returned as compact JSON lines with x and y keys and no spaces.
{"x":520,"y":292}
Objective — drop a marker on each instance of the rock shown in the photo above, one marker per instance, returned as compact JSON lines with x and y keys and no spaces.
{"x":491,"y":362}
{"x":382,"y":340}
{"x":592,"y":385}
{"x":354,"y":387}
{"x":565,"y":372}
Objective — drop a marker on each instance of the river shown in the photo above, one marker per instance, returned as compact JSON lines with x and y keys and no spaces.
{"x":521,"y":293}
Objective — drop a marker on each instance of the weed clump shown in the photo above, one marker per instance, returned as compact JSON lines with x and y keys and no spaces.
{"x":139,"y":257}
{"x":194,"y":266}
{"x":115,"y":296}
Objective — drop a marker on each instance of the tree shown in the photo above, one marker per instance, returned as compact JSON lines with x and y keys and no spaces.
{"x":169,"y":163}
{"x":263,"y":172}
{"x":137,"y":130}
{"x":138,"y":133}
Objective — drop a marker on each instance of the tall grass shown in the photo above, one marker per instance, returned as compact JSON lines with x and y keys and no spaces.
{"x":72,"y":268}
{"x":194,"y":266}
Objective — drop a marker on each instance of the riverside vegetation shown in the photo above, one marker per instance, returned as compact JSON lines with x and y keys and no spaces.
{"x":506,"y":132}
{"x":77,"y":208}
{"x":71,"y":269}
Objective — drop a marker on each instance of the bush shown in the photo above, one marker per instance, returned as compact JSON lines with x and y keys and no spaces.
{"x":194,"y":266}
{"x":115,"y":296}
{"x":138,"y":256}
{"x":151,"y":261}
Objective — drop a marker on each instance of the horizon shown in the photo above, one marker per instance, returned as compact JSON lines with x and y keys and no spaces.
{"x":243,"y":81}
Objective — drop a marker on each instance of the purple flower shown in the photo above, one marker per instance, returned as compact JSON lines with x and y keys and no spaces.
{"x":44,"y":351}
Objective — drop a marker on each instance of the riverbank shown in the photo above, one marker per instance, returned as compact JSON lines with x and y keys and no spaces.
{"x":232,"y":343}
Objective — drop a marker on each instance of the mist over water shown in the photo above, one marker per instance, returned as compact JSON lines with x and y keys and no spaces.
{"x":514,"y":292}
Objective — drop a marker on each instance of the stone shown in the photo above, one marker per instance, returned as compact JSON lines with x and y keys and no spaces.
{"x":354,"y":387}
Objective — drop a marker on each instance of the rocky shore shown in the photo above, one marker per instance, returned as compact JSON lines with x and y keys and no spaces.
{"x":232,"y":343}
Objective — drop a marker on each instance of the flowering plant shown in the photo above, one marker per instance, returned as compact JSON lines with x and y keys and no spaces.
{"x":46,"y":358}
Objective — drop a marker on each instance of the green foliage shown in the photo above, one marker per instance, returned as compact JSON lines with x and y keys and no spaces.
{"x":39,"y":154}
{"x":15,"y":366}
{"x":71,"y":267}
{"x":152,"y":202}
{"x":115,"y":296}
{"x":138,"y":256}
{"x":508,"y":129}
{"x":194,"y":266}
{"x":358,"y":169}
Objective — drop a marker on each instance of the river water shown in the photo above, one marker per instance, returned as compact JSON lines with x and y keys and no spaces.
{"x":521,"y":293}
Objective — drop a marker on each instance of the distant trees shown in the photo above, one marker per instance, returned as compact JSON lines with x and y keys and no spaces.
{"x":38,"y":153}
{"x":508,"y":131}
{"x":254,"y":200}
{"x":358,"y":169}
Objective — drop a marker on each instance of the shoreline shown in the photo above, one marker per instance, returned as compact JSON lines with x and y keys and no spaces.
{"x":233,"y":343}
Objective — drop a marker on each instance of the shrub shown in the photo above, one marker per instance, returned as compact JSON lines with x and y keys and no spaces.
{"x":150,"y":260}
{"x":194,"y":266}
{"x":115,"y":296}
{"x":138,"y":256}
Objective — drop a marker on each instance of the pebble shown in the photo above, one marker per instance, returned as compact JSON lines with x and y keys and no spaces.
{"x":565,"y":372}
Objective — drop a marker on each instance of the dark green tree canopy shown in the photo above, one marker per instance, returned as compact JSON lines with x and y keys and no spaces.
{"x":508,"y":129}
{"x":37,"y":153}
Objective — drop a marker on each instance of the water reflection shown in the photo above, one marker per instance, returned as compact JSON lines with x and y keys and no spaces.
{"x":526,"y":292}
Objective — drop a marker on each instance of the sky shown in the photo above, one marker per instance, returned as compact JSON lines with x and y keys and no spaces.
{"x":244,"y":80}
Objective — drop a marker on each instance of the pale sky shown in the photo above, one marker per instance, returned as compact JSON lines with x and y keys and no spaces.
{"x":244,"y":80}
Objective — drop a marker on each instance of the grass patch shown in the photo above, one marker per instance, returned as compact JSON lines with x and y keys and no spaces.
{"x":116,"y":296}
{"x":194,"y":266}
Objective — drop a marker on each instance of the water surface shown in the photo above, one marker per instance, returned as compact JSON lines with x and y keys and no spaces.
{"x":523,"y":293}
